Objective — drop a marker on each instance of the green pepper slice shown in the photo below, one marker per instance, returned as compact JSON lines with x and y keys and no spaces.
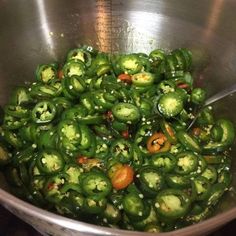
{"x":43,"y":91}
{"x":61,"y":104}
{"x":94,"y":206}
{"x":17,"y":111}
{"x":20,"y":96}
{"x":64,"y":207}
{"x":48,"y":139}
{"x":216,"y":192}
{"x":100,"y":101}
{"x":134,"y":206}
{"x":112,"y":214}
{"x":97,"y":64}
{"x":75,"y":113}
{"x":143,"y":224}
{"x":130,"y":64}
{"x":38,"y":182}
{"x":50,"y":161}
{"x":187,"y":162}
{"x":77,"y":201}
{"x":202,"y":186}
{"x":176,"y":181}
{"x":227,"y":137}
{"x":126,"y":112}
{"x":143,"y":79}
{"x":74,"y":173}
{"x":153,"y":228}
{"x":12,"y":138}
{"x":86,"y":136}
{"x":24,"y":156}
{"x":149,"y":180}
{"x":13,"y":177}
{"x":91,"y":119}
{"x":46,"y":73}
{"x":95,"y":184}
{"x":157,"y":55}
{"x":69,"y":129}
{"x":13,"y":123}
{"x":119,"y":126}
{"x":90,"y":151}
{"x":171,"y":204}
{"x":73,"y":67}
{"x":184,"y":58}
{"x":210,"y":173}
{"x":73,"y":86}
{"x":225,"y":177}
{"x":102,"y":148}
{"x":216,"y":133}
{"x":170,"y":104}
{"x":52,"y":188}
{"x":165,"y":162}
{"x":166,"y":86}
{"x":79,"y":54}
{"x":173,"y":67}
{"x":198,"y":96}
{"x":121,"y":149}
{"x":205,"y":117}
{"x":199,"y":214}
{"x":201,"y":166}
{"x":138,"y":159}
{"x":143,"y":133}
{"x":188,"y":141}
{"x":43,"y":112}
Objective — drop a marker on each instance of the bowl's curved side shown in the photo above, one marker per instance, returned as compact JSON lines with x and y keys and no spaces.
{"x":53,"y":224}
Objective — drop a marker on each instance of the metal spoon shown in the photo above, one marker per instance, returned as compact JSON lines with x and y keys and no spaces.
{"x":223,"y":93}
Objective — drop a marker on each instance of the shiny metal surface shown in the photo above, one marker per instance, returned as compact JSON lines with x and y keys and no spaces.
{"x":40,"y":31}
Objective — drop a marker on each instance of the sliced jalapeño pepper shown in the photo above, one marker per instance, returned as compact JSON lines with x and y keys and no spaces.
{"x":126,"y":112}
{"x":164,"y":161}
{"x":170,"y":104}
{"x":186,"y":162}
{"x":122,"y":150}
{"x":20,"y":96}
{"x":73,"y":67}
{"x":189,"y":142}
{"x":149,"y":180}
{"x":135,"y":207}
{"x":171,"y":204}
{"x":228,"y":134}
{"x":79,"y":54}
{"x":130,"y":64}
{"x":95,"y":184}
{"x":17,"y":111}
{"x":50,"y":161}
{"x":46,"y":73}
{"x":43,"y":112}
{"x":143,"y":79}
{"x":198,"y":96}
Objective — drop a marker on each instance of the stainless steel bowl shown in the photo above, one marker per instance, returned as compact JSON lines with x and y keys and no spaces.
{"x":39,"y":31}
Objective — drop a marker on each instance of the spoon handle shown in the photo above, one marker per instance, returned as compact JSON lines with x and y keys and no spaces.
{"x":223,"y":93}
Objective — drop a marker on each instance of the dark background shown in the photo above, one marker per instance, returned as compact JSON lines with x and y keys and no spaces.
{"x":10,"y":225}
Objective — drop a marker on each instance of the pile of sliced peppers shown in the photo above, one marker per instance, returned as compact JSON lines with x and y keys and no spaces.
{"x":103,"y":139}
